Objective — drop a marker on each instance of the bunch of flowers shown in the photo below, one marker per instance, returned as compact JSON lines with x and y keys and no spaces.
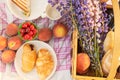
{"x":90,"y":19}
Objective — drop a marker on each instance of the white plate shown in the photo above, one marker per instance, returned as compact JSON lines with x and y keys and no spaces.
{"x":33,"y":74}
{"x":38,"y":8}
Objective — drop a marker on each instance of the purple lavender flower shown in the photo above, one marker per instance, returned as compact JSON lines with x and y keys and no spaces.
{"x":90,"y":18}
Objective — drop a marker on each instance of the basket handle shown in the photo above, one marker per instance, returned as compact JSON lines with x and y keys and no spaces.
{"x":116,"y":50}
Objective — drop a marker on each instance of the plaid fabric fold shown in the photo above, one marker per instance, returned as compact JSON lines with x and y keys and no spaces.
{"x":62,"y":46}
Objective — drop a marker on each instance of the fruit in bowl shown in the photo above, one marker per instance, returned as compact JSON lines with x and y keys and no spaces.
{"x":27,"y":31}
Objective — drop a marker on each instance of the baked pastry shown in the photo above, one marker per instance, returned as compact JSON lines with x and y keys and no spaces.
{"x":107,"y":61}
{"x":28,"y":57}
{"x":24,"y":5}
{"x":109,"y":41}
{"x":44,"y":63}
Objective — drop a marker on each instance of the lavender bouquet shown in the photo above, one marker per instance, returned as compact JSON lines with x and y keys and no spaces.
{"x":90,"y":19}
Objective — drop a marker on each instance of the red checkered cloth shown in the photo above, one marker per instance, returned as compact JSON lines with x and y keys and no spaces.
{"x":61,"y":46}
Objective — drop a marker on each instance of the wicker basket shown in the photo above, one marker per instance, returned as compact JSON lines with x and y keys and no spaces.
{"x":115,"y":61}
{"x":74,"y":59}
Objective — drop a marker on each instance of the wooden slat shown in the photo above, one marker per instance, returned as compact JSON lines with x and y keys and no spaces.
{"x":74,"y":53}
{"x":109,"y":6}
{"x":116,"y":52}
{"x":103,"y":1}
{"x":91,"y":78}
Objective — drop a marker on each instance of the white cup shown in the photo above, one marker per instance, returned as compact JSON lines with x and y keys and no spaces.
{"x":52,"y":13}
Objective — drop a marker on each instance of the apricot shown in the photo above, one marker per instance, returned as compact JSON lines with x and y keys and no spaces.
{"x":14,"y":43}
{"x":3,"y":42}
{"x":8,"y":56}
{"x":83,"y":63}
{"x":60,"y":30}
{"x":11,"y":29}
{"x":45,"y":34}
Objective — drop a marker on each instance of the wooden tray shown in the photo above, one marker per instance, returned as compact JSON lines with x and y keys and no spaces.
{"x":74,"y":60}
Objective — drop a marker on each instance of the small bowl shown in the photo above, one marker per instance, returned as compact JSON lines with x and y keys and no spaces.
{"x":20,"y":27}
{"x":52,"y":13}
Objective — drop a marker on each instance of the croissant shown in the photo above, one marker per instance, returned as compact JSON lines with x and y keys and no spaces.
{"x":28,"y":58}
{"x":44,"y":63}
{"x":109,"y":41}
{"x":107,"y":61}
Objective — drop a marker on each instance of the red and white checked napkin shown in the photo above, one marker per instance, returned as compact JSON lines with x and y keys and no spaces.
{"x":62,"y":48}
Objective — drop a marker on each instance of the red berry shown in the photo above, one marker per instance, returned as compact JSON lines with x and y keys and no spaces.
{"x":32,"y":27}
{"x":22,"y":34}
{"x":28,"y":30}
{"x":28,"y":24}
{"x":30,"y":33}
{"x":30,"y":38}
{"x":26,"y":37}
{"x":34,"y":31}
{"x":24,"y":26}
{"x":22,"y":30}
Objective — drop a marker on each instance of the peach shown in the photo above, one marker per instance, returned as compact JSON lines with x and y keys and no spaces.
{"x":83,"y":63}
{"x":60,"y":30}
{"x":14,"y":43}
{"x":3,"y":42}
{"x":8,"y":56}
{"x":11,"y":29}
{"x":45,"y":34}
